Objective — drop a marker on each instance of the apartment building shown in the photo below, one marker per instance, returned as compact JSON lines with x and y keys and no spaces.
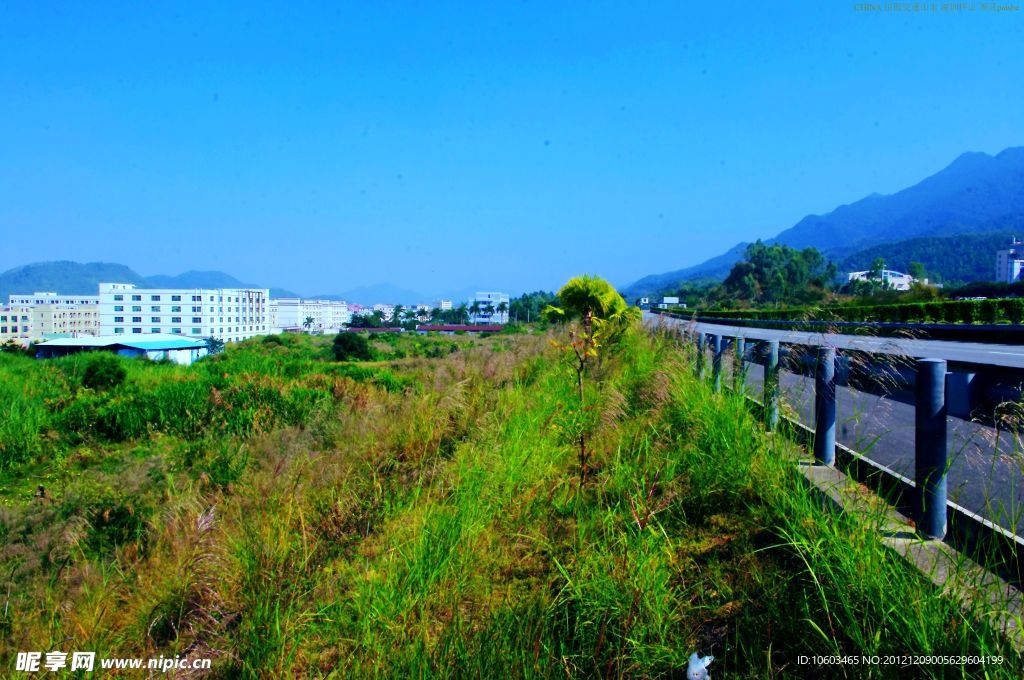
{"x":496,"y":302}
{"x":15,"y":323}
{"x":324,"y":316}
{"x":228,"y":314}
{"x":50,"y":298}
{"x":1010,"y":263}
{"x":65,"y":320}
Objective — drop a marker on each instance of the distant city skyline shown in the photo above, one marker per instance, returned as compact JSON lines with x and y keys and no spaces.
{"x":455,"y":147}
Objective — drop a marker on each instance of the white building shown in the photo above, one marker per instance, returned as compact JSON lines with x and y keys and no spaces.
{"x":228,"y":314}
{"x":444,"y":305}
{"x":489,"y":301}
{"x":48,"y":298}
{"x":15,"y":323}
{"x":1009,"y":263}
{"x":893,"y":279}
{"x":387,"y":310}
{"x":323,"y":316}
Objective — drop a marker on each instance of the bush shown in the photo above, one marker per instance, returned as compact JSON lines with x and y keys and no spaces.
{"x":352,"y":347}
{"x":103,"y":372}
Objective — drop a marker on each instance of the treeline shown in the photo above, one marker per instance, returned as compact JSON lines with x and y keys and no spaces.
{"x":1009,"y":310}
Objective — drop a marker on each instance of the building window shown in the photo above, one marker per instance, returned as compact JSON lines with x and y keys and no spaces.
{"x":154,"y":330}
{"x":118,"y":308}
{"x":176,"y":331}
{"x":197,"y":319}
{"x":136,"y":298}
{"x":136,"y":319}
{"x":136,"y":330}
{"x":175,"y":298}
{"x":154,"y":298}
{"x":154,"y":319}
{"x":137,"y":308}
{"x":197,"y":298}
{"x":197,"y":310}
{"x":155,"y":308}
{"x":118,"y":331}
{"x":118,"y":298}
{"x":176,"y":308}
{"x":118,"y":319}
{"x":197,"y":331}
{"x":175,"y":319}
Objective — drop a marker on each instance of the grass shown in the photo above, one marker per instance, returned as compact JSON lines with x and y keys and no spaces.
{"x":420,"y":515}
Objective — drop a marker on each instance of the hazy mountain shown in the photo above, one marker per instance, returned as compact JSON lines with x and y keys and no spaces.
{"x":973,"y":190}
{"x":64,"y":277}
{"x":381,"y":292}
{"x":76,"y":277}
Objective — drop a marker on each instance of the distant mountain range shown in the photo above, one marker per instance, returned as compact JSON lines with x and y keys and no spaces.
{"x":84,"y":278}
{"x":970,"y":195}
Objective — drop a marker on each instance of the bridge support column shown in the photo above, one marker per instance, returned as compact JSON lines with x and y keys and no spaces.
{"x":717,"y":346}
{"x":930,"y":448}
{"x":825,"y":407}
{"x":739,"y":368}
{"x":700,"y":355}
{"x":771,"y":386}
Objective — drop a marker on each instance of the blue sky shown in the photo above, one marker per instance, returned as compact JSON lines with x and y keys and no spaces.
{"x":443,"y":146}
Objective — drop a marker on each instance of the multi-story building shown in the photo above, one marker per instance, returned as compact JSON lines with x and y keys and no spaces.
{"x":496,"y":302}
{"x":1009,"y":263}
{"x":15,"y":323}
{"x":48,"y":298}
{"x":313,"y":316}
{"x":444,"y":305}
{"x":228,"y":314}
{"x":65,"y":320}
{"x":387,"y":310}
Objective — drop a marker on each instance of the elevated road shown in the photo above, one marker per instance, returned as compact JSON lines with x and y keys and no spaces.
{"x":1008,"y":356}
{"x":986,"y":473}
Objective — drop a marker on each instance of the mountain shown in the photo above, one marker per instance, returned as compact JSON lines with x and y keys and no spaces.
{"x":209,"y":279}
{"x":963,"y":197}
{"x":64,"y":277}
{"x":381,"y":292}
{"x":76,"y":277}
{"x":956,"y":259}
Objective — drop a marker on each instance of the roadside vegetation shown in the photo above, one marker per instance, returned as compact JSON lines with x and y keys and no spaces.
{"x":428,"y":512}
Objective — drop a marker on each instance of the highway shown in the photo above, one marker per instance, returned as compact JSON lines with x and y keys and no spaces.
{"x":986,"y":472}
{"x":1010,"y":356}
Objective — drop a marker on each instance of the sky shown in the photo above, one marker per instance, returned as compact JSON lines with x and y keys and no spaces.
{"x":443,"y":146}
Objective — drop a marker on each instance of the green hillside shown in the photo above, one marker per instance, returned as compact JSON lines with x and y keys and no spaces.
{"x":951,"y":259}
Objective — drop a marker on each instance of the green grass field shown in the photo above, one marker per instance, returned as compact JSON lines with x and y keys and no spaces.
{"x":422,"y":515}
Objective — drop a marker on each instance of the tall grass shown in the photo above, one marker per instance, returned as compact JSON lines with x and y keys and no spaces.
{"x":285,"y":516}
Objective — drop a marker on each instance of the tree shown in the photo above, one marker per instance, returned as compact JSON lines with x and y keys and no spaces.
{"x":489,"y":311}
{"x":308,"y":323}
{"x":918,"y":271}
{"x":503,"y":310}
{"x":877,"y":270}
{"x":603,"y":316}
{"x":777,"y":273}
{"x":351,"y":347}
{"x":474,"y":309}
{"x":214,"y":345}
{"x":103,"y":372}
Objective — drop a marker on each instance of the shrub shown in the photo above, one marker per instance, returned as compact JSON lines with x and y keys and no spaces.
{"x":352,"y":347}
{"x":103,"y":372}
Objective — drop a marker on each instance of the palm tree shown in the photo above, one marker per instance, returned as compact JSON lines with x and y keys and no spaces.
{"x":503,"y":310}
{"x":489,"y":311}
{"x":474,"y":309}
{"x":396,"y":313}
{"x":308,"y":323}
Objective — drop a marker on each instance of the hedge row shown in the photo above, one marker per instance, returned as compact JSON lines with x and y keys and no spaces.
{"x":1009,"y":310}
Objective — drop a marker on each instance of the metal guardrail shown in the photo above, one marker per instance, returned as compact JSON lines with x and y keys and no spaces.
{"x":924,"y":498}
{"x":1009,"y":333}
